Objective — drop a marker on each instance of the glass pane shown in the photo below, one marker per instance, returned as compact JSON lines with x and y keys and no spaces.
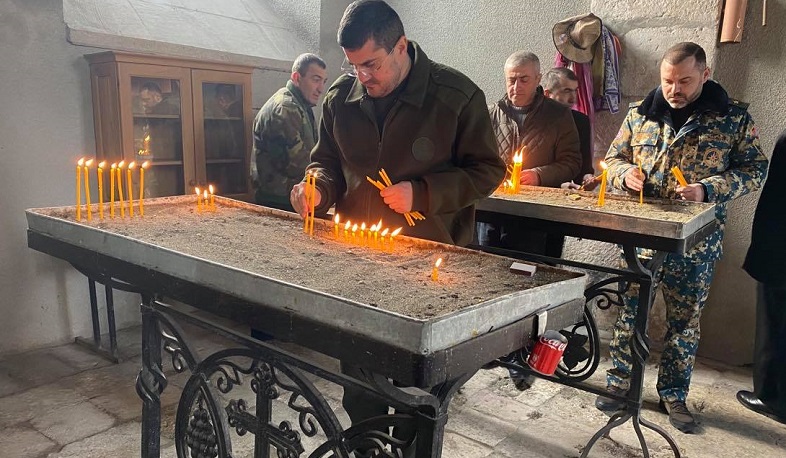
{"x":158,"y":133}
{"x":224,"y":136}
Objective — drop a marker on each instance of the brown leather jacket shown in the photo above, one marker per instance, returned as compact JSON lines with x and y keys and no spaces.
{"x":549,"y":134}
{"x":437,"y":135}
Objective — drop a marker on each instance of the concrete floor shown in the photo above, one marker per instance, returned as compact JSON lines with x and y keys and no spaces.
{"x":65,"y":402}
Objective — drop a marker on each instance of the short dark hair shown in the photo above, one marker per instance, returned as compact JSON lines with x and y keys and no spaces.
{"x":302,"y":62}
{"x":367,"y":19}
{"x":552,"y":78}
{"x":684,"y":50}
{"x":226,"y":90}
{"x":151,"y":86}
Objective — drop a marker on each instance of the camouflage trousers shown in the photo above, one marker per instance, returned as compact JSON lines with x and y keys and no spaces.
{"x":685,"y":287}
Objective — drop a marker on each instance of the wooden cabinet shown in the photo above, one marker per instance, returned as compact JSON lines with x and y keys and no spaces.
{"x":190,"y":119}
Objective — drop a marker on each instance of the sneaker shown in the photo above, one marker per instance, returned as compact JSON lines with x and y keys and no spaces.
{"x":521,"y":380}
{"x":609,"y":405}
{"x":679,"y":416}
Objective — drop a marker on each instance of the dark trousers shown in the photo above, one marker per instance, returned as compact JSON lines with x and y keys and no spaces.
{"x":769,"y":364}
{"x":361,"y":406}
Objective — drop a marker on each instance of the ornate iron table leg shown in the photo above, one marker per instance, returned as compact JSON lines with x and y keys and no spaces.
{"x":150,"y":382}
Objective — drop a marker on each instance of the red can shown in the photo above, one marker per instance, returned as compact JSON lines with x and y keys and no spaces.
{"x":547,"y":353}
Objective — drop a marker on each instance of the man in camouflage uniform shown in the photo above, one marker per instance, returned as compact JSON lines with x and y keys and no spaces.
{"x":285,"y":132}
{"x":689,"y":122}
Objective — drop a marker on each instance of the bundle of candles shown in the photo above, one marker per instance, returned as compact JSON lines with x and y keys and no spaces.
{"x":206,"y":199}
{"x":409,"y":216}
{"x":115,"y":175}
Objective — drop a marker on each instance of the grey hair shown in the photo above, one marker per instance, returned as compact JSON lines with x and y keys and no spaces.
{"x":552,"y":78}
{"x":304,"y":60}
{"x":520,"y":58}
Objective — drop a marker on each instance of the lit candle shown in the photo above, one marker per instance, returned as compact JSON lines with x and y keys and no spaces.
{"x":79,"y":164}
{"x":363,"y":233}
{"x":199,"y":199}
{"x":641,"y":191}
{"x":112,"y":169}
{"x":372,"y":236}
{"x":515,"y":177}
{"x":142,"y":187}
{"x":204,"y":198}
{"x":392,"y":235}
{"x":101,"y":189}
{"x":121,"y":199}
{"x":602,"y":192}
{"x":87,"y":189}
{"x":129,"y":184}
{"x":382,"y":238}
{"x":212,"y":197}
{"x":354,"y":229}
{"x":336,"y":220}
{"x":435,"y":270}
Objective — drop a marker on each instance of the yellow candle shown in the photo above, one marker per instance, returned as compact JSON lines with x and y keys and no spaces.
{"x":346,"y":230}
{"x":392,"y":236}
{"x":363,"y":234}
{"x":87,"y":189}
{"x":313,"y":202}
{"x":679,"y":176}
{"x":372,"y":236}
{"x":376,"y":232}
{"x":602,"y":192}
{"x":354,"y":230}
{"x":435,"y":270}
{"x":516,"y":175}
{"x":79,"y":165}
{"x":129,"y":184}
{"x":101,"y":189}
{"x":112,"y":169}
{"x":335,"y":225}
{"x":641,"y":191}
{"x":204,"y":199}
{"x":212,"y":198}
{"x":382,"y":238}
{"x":199,"y":199}
{"x":142,"y":187}
{"x":121,"y":199}
{"x":308,"y":202}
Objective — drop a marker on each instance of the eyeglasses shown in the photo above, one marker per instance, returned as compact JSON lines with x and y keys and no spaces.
{"x":367,"y":70}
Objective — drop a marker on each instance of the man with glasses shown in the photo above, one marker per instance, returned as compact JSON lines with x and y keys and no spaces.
{"x":426,"y":124}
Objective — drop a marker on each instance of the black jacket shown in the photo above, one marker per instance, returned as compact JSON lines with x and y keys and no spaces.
{"x":766,"y":259}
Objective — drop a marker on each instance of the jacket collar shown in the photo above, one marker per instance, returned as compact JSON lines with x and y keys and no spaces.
{"x":297,"y":94}
{"x":537,"y":102}
{"x":417,"y":80}
{"x":713,"y":98}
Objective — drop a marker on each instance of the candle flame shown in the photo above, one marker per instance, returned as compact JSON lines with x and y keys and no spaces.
{"x":396,"y":232}
{"x":145,"y":164}
{"x":379,"y":224}
{"x":113,"y":166}
{"x":385,"y":232}
{"x":348,"y":225}
{"x":439,"y":261}
{"x":373,"y":228}
{"x":132,"y":165}
{"x":101,"y":164}
{"x":210,"y":188}
{"x":363,"y":227}
{"x":147,"y":138}
{"x":81,"y":162}
{"x":603,"y":165}
{"x":88,"y":163}
{"x":518,"y":158}
{"x":204,"y":194}
{"x":198,"y":191}
{"x":336,"y":219}
{"x":121,"y":164}
{"x":355,"y":227}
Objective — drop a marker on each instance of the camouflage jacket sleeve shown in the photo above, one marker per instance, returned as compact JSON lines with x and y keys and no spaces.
{"x":619,"y":158}
{"x":747,"y":167}
{"x":286,"y":126}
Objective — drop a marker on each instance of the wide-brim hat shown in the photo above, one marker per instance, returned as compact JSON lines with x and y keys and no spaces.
{"x":575,"y":37}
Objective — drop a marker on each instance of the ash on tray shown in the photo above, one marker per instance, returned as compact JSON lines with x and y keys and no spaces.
{"x":273,"y":244}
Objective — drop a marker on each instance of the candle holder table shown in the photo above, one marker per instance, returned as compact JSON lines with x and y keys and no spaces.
{"x":376,"y":310}
{"x":662,"y":226}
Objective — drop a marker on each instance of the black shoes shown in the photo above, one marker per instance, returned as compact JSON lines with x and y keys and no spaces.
{"x":609,"y":405}
{"x":679,"y":416}
{"x":755,"y":404}
{"x":521,"y":380}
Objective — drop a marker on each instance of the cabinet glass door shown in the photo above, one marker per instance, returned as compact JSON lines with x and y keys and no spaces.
{"x":158,"y":134}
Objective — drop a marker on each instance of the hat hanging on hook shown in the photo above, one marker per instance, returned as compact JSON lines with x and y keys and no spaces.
{"x":575,"y":37}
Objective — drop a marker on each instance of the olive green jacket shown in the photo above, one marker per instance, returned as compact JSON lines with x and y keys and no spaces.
{"x":438,"y":135}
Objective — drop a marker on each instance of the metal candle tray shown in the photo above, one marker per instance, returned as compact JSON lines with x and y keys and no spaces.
{"x":419,"y":336}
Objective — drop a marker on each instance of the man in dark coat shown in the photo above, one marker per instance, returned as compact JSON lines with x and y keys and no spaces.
{"x":766,"y":262}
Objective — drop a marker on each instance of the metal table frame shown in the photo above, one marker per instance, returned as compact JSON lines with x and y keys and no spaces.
{"x":495,"y":211}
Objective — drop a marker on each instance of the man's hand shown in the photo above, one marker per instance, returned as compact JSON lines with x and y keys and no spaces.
{"x":569,"y":185}
{"x":634,"y":179}
{"x":529,"y":177}
{"x":694,"y":192}
{"x":298,"y":199}
{"x":398,"y":197}
{"x":589,"y":182}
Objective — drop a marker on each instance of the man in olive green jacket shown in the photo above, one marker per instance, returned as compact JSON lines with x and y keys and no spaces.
{"x":285,"y":132}
{"x":426,"y":124}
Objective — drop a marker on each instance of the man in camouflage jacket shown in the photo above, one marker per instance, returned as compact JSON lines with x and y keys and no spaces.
{"x":285,"y":132}
{"x":689,"y":122}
